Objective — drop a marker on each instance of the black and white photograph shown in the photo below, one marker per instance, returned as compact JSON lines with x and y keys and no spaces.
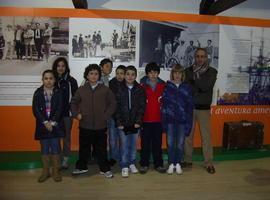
{"x":95,"y":39}
{"x":244,"y":65}
{"x":169,"y":43}
{"x":28,"y":45}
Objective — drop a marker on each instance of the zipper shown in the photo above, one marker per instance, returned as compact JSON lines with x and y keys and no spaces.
{"x":93,"y":108}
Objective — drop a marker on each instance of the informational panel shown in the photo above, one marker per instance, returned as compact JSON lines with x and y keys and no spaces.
{"x":28,"y":46}
{"x":32,"y":38}
{"x":244,"y":66}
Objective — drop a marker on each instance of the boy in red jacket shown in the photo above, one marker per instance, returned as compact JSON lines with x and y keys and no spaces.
{"x":151,"y":136}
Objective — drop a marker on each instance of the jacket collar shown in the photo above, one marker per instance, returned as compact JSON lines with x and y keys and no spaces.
{"x":145,"y":79}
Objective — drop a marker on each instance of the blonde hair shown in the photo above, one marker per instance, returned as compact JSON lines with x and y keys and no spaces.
{"x":177,"y":68}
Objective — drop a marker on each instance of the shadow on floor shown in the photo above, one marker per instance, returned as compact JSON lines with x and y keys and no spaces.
{"x":259,"y":177}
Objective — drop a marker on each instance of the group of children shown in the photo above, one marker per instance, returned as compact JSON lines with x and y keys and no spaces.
{"x":121,"y":108}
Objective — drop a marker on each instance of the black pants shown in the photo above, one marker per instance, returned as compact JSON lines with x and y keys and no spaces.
{"x":38,"y":43}
{"x":151,"y":141}
{"x":19,"y":49}
{"x":98,"y":139}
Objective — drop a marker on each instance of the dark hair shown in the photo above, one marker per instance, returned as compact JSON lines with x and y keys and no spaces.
{"x":55,"y":64}
{"x":92,"y":67}
{"x":123,"y":67}
{"x":48,"y":71}
{"x":105,"y":61}
{"x":152,"y":66}
{"x":131,"y":68}
{"x":201,"y":49}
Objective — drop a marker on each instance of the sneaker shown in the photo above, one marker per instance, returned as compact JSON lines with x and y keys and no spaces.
{"x":64,"y":164}
{"x":107,"y":174}
{"x":79,"y":171}
{"x":144,"y":169}
{"x":170,"y":169}
{"x":125,"y":172}
{"x":178,"y":169}
{"x":133,"y":169}
{"x":160,"y":169}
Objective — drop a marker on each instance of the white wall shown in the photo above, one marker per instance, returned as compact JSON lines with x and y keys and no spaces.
{"x":250,"y":8}
{"x":37,"y":3}
{"x":178,"y":6}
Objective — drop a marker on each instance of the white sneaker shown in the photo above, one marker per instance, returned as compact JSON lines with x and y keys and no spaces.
{"x":170,"y":169}
{"x":125,"y":172}
{"x":107,"y":174}
{"x":79,"y":171}
{"x":133,"y":169}
{"x":178,"y":169}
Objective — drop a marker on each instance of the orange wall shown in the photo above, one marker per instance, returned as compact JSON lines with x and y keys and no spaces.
{"x":120,"y":14}
{"x":18,"y":124}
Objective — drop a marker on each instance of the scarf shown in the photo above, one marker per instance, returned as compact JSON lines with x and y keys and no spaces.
{"x":48,"y":96}
{"x":198,"y":70}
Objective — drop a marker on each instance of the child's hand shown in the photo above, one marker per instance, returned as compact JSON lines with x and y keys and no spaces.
{"x":137,"y":126}
{"x":79,"y":116}
{"x":48,"y":126}
{"x":121,"y":127}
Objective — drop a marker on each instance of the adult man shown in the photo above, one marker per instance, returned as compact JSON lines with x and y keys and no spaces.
{"x":80,"y":45}
{"x":94,"y":41}
{"x":115,"y":37}
{"x":168,"y":51}
{"x":29,"y":42}
{"x":47,"y":40}
{"x":189,"y":53}
{"x":8,"y":35}
{"x":210,"y":50}
{"x":18,"y":42}
{"x":202,"y":79}
{"x":38,"y":40}
{"x":85,"y":46}
{"x":180,"y":53}
{"x":74,"y":45}
{"x":98,"y":44}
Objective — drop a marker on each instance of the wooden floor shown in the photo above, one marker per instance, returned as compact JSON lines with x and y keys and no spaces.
{"x":234,"y":180}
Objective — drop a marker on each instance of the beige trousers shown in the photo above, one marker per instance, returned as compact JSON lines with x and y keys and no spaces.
{"x":203,"y":119}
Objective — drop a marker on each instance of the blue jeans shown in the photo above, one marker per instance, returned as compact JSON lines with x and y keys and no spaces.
{"x":128,"y":148}
{"x":175,"y":143}
{"x":114,"y":140}
{"x":50,"y":146}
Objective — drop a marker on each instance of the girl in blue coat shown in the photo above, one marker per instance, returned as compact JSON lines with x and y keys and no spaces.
{"x":177,"y":111}
{"x":47,"y":109}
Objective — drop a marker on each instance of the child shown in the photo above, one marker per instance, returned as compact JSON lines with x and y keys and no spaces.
{"x":114,"y":139}
{"x":93,"y":104}
{"x":151,"y":136}
{"x":129,"y":114}
{"x":106,"y":69}
{"x":177,"y":110}
{"x":47,"y":108}
{"x":68,"y":85}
